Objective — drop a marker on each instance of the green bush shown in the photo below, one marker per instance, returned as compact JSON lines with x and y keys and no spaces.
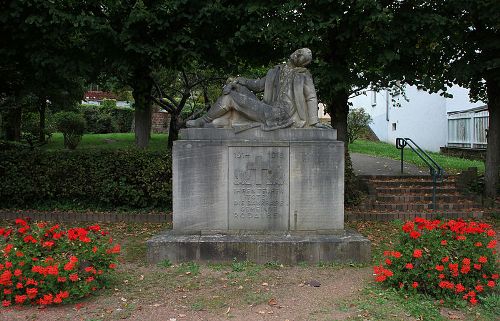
{"x":105,"y":178}
{"x":102,"y":120}
{"x":123,"y":118}
{"x":72,"y":125}
{"x":105,"y":124}
{"x":358,"y":121}
{"x":108,"y":104}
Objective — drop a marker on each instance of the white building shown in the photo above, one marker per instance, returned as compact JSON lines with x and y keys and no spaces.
{"x":423,"y":118}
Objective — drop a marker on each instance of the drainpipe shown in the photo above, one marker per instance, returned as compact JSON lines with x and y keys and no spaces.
{"x":387,"y":105}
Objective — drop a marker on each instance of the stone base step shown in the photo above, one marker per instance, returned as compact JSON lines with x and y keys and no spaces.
{"x":288,"y":248}
{"x":421,"y":206}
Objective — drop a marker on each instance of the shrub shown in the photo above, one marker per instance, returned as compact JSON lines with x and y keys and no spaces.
{"x":108,"y":104}
{"x":91,"y":113}
{"x":357,"y":124}
{"x":72,"y":125}
{"x":107,"y":178}
{"x":123,"y":118}
{"x":46,"y":265}
{"x":105,"y":124}
{"x":446,"y":259}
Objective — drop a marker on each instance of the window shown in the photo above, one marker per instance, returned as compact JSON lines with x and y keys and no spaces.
{"x":393,"y":126}
{"x":374,"y":98}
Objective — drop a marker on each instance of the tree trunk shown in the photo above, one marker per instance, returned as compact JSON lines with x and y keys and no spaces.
{"x":339,"y":109}
{"x":42,"y":107}
{"x":493,"y":149}
{"x":142,"y":104}
{"x":173,"y":130}
{"x":12,"y":123}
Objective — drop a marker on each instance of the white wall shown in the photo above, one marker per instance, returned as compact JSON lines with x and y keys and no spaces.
{"x":422,"y":118}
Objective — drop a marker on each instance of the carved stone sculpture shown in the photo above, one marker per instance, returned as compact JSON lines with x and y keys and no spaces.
{"x":289,"y":99}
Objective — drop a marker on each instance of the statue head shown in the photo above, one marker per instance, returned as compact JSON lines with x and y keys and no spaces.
{"x":301,"y":57}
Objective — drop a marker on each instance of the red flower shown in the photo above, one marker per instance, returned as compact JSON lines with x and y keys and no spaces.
{"x":31,"y":292}
{"x":73,"y":277}
{"x":61,"y":279}
{"x":388,"y":261}
{"x":483,"y":259}
{"x":409,"y":266}
{"x":478,"y":244}
{"x":114,"y":249}
{"x":48,"y":244}
{"x":396,"y":254}
{"x":466,"y":261}
{"x":473,"y":301}
{"x":444,"y":242}
{"x":491,"y":284}
{"x":414,"y":285}
{"x":479,"y":288}
{"x":417,"y":253}
{"x":492,"y":244}
{"x":20,"y":221}
{"x":415,"y":235}
{"x":6,"y":303}
{"x":20,"y":299}
{"x":477,"y":266}
{"x":490,"y":233}
{"x":7,"y":291}
{"x":112,"y":266}
{"x":441,"y":276}
{"x":445,"y":259}
{"x":439,"y":268}
{"x":494,"y":276}
{"x":465,"y":269}
{"x":459,"y":288}
{"x":94,"y":228}
{"x":408,"y":227}
{"x":461,"y":237}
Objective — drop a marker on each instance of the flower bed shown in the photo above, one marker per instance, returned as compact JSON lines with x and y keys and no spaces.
{"x":446,"y":259}
{"x":42,"y":264}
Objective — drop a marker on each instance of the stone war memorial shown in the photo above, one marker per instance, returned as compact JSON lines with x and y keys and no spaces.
{"x":260,"y":180}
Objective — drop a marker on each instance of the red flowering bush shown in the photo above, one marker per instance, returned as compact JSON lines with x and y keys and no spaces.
{"x":445,"y":259}
{"x":41,"y":264}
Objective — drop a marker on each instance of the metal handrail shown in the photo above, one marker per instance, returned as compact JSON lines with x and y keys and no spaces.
{"x":435,"y":170}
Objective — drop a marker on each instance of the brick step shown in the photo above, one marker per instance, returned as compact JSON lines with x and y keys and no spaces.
{"x":410,"y":183}
{"x":403,"y":177}
{"x":451,"y":198}
{"x":356,"y":215}
{"x":421,"y":206}
{"x":415,"y":190}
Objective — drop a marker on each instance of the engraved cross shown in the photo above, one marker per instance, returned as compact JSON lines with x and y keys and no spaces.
{"x":259,"y":166}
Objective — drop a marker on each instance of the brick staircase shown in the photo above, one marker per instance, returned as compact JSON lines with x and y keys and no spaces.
{"x":406,"y":197}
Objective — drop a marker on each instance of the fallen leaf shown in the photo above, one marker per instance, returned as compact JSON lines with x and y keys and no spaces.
{"x":272,"y":302}
{"x":265,"y":284}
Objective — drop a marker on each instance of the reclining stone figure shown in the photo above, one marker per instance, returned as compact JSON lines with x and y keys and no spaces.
{"x":289,"y":99}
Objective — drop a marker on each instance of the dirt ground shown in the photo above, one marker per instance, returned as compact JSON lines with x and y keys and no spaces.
{"x":155,"y":293}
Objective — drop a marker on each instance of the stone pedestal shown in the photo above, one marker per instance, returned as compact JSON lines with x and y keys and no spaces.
{"x":258,"y":195}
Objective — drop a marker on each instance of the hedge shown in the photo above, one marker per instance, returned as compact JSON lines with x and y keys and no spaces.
{"x":111,"y":178}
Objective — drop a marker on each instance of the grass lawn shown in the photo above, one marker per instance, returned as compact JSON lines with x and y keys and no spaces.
{"x":108,"y":141}
{"x":449,"y":163}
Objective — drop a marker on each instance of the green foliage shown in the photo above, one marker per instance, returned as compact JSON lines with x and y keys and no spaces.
{"x":72,"y":125}
{"x":108,"y":104}
{"x":189,"y":268}
{"x":53,"y":265}
{"x":123,"y":118}
{"x":108,"y":178}
{"x":105,"y":124}
{"x":358,"y":121}
{"x":102,"y":120}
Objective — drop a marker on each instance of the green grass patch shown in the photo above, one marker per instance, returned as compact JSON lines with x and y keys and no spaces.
{"x":107,"y":141}
{"x":449,"y":163}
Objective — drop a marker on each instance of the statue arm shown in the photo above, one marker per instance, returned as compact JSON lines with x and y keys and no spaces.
{"x":256,"y":85}
{"x":311,"y":101}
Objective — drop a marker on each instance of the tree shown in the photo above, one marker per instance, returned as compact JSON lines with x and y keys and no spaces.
{"x":454,"y":42}
{"x":40,"y":54}
{"x":174,"y":91}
